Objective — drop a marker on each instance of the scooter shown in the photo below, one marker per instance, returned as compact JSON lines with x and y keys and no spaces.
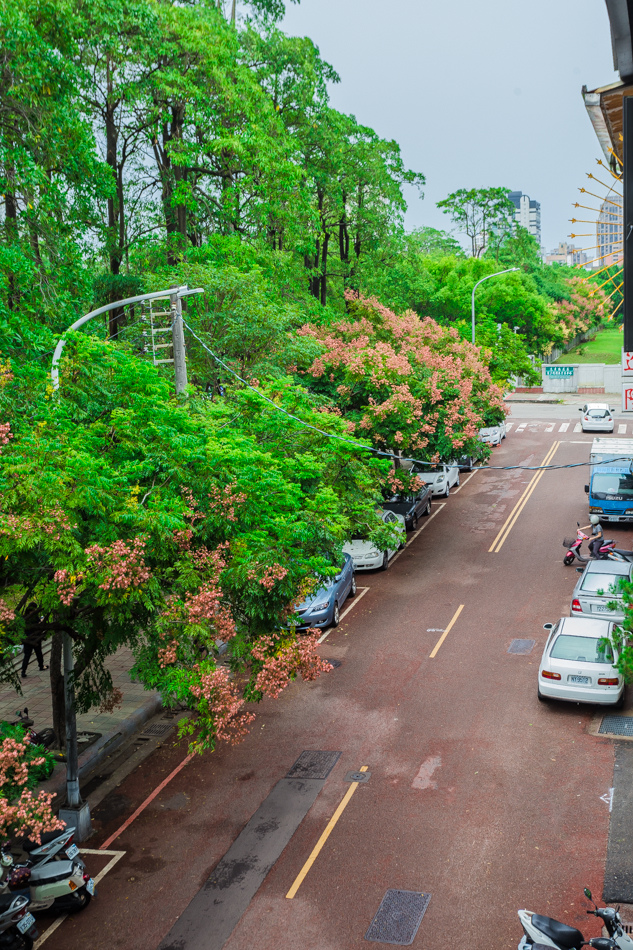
{"x":573,"y":550}
{"x":17,"y":924}
{"x":64,"y":885}
{"x":539,"y":931}
{"x":53,"y":846}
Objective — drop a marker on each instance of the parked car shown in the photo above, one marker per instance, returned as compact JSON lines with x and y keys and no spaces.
{"x":597,"y":587}
{"x":323,"y":608}
{"x":578,"y":663}
{"x":365,"y":556}
{"x":466,"y":463}
{"x":597,"y":417}
{"x":493,"y":435}
{"x":411,"y":507}
{"x":441,"y":478}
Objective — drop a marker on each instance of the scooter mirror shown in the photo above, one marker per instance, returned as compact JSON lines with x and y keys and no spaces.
{"x":588,"y":894}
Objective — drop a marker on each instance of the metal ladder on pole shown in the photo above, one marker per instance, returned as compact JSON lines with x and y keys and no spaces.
{"x":156,"y":331}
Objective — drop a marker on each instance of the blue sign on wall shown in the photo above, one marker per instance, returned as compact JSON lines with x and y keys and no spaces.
{"x":559,"y":372}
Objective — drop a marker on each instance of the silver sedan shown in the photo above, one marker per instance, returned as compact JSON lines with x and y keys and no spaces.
{"x":598,"y":587}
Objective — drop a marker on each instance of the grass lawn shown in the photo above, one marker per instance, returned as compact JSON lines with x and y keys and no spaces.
{"x":606,"y":348}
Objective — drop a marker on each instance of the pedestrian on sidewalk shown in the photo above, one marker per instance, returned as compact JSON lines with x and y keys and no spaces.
{"x":32,"y":643}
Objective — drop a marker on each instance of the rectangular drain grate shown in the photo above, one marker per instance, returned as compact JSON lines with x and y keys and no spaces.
{"x":157,"y":729}
{"x":311,"y":764}
{"x":617,"y":725}
{"x":398,"y":917}
{"x":521,"y":646}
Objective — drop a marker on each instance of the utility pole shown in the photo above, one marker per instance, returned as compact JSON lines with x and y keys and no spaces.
{"x":627,"y":222}
{"x":75,"y":813}
{"x":178,"y":342}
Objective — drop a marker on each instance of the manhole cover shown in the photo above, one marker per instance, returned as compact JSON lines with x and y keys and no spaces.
{"x":312,"y":764}
{"x":521,"y":646}
{"x":617,"y":725}
{"x":157,"y":729}
{"x":398,"y":917}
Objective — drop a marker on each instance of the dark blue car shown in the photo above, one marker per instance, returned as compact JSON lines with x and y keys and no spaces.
{"x":323,"y":608}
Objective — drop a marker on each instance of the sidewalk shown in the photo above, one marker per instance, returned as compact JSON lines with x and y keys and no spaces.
{"x":137,"y":707}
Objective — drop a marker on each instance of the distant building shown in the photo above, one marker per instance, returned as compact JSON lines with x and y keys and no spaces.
{"x":527,"y":213}
{"x":566,"y":254}
{"x":609,"y":232}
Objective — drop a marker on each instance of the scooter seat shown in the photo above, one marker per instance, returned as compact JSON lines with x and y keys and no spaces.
{"x":47,"y":837}
{"x":5,"y":901}
{"x":561,"y":934}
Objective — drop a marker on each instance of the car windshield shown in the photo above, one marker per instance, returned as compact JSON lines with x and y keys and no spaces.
{"x":582,"y":649}
{"x":487,"y":431}
{"x":401,"y":499}
{"x":592,"y":583}
{"x":616,"y":485}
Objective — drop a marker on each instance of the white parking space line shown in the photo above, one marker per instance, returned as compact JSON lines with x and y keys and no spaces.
{"x":577,"y":427}
{"x":509,"y":426}
{"x":363,"y":591}
{"x":115,"y":856}
{"x":564,"y":427}
{"x":550,"y":427}
{"x":465,"y":482}
{"x":521,"y":427}
{"x":621,"y":429}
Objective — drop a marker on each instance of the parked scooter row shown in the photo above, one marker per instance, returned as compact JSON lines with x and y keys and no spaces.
{"x":540,"y":932}
{"x":62,"y":884}
{"x":606,"y":552}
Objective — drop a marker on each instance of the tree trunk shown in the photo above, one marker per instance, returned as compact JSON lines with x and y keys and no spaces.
{"x":323,"y":293}
{"x":57,"y":689}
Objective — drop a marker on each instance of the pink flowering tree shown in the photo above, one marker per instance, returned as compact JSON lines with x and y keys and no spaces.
{"x":23,"y":812}
{"x":127,"y":519}
{"x":411,"y":386}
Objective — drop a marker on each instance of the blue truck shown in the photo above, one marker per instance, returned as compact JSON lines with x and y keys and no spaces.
{"x":610,"y":487}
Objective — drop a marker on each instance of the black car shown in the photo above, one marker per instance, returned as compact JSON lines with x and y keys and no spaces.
{"x":411,"y":507}
{"x":323,"y":608}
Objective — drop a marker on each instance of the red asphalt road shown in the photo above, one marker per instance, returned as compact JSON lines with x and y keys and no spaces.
{"x":478,"y":795}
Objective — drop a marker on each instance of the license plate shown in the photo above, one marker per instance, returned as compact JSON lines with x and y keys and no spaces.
{"x":601,"y":609}
{"x":90,"y":886}
{"x":25,"y":923}
{"x":583,"y":680}
{"x":72,"y":850}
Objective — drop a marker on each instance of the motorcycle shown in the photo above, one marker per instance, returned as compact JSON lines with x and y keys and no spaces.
{"x":63,"y":885}
{"x":606,"y":551}
{"x":17,"y":924}
{"x":540,"y":932}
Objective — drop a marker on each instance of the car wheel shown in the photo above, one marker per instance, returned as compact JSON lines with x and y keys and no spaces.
{"x":352,"y":590}
{"x":336,"y":616}
{"x":543,"y":699}
{"x":427,"y":510}
{"x":414,"y":523}
{"x":385,"y":562}
{"x":620,"y":702}
{"x":457,"y":482}
{"x":568,"y":559}
{"x":448,"y":490}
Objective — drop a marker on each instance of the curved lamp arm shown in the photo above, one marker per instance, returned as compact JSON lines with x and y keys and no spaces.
{"x":496,"y":274}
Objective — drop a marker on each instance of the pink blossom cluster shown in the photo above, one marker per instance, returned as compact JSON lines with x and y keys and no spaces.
{"x":56,"y":521}
{"x":226,"y":705}
{"x":168,"y":654}
{"x":31,"y":815}
{"x":182,"y":538}
{"x":224,"y":500}
{"x":5,"y":433}
{"x":6,"y":613}
{"x":204,"y":604}
{"x":283,"y":659}
{"x":123,"y":564}
{"x":271,"y":574}
{"x":66,"y":585}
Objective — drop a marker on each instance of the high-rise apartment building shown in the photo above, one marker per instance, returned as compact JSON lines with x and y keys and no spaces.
{"x":527,"y":213}
{"x":609,"y":232}
{"x":567,"y":254}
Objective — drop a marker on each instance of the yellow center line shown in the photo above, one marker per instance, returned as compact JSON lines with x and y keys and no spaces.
{"x":446,"y":632}
{"x":326,"y":834}
{"x":524,"y":502}
{"x":516,"y":511}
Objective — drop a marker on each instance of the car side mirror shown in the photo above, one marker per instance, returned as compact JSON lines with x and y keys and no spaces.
{"x":337,"y":578}
{"x":586,"y":489}
{"x":579,"y":570}
{"x":548,"y":626}
{"x":579,"y":409}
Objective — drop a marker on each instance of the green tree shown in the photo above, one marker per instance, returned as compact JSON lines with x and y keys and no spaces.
{"x":479,"y":212}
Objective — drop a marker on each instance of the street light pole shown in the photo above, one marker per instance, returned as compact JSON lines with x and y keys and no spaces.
{"x":496,"y":274}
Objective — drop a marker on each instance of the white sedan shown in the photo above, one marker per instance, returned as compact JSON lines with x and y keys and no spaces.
{"x":368,"y":558}
{"x":493,"y":435}
{"x":578,"y":663}
{"x":440,"y":478}
{"x":596,"y":417}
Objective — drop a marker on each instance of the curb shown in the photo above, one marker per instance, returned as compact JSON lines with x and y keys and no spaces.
{"x":107,"y":744}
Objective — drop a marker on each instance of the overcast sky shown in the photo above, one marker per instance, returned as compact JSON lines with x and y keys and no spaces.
{"x":477,"y":94}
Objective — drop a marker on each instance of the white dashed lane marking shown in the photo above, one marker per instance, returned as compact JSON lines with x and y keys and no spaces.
{"x":621,"y":429}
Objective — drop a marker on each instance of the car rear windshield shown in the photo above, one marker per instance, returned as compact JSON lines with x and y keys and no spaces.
{"x":616,"y":486}
{"x":579,"y":649}
{"x":599,"y":414}
{"x":592,"y":583}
